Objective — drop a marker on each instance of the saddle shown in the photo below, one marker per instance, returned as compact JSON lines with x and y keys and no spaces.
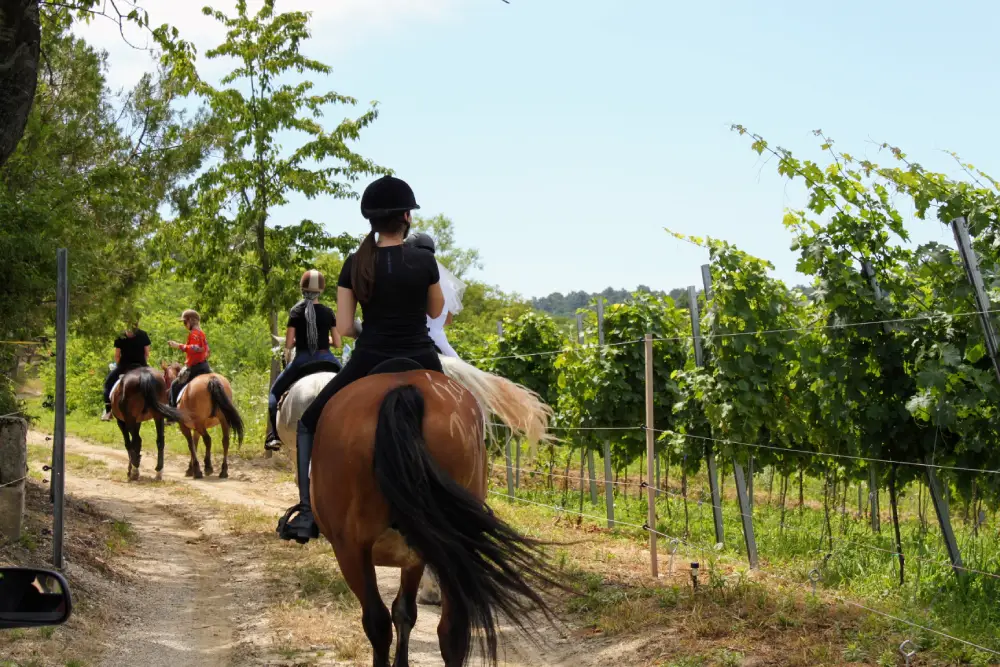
{"x":396,"y":365}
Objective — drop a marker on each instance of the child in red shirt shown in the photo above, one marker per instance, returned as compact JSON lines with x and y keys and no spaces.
{"x":196,"y":354}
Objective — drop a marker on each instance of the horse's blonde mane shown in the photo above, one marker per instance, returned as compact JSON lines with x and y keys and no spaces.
{"x":515,"y":405}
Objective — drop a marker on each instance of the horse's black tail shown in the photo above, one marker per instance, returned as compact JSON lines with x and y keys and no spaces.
{"x":150,"y":388}
{"x":221,"y":402}
{"x":485,"y":567}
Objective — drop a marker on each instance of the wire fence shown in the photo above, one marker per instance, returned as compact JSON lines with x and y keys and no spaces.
{"x":837,"y":544}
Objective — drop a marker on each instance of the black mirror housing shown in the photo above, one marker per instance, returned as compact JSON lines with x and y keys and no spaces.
{"x":31,"y":597}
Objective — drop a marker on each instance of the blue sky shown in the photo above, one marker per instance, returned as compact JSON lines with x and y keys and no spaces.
{"x":563,"y":136}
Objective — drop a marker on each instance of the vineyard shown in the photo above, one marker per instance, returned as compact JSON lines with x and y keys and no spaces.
{"x":862,"y":418}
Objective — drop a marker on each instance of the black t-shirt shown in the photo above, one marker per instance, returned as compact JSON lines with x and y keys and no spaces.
{"x":132,"y":348}
{"x":325,"y":321}
{"x":395,"y":317}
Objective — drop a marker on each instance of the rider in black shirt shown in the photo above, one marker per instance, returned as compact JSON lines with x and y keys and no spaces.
{"x":310,"y":330}
{"x":131,"y":351}
{"x":397,"y":287}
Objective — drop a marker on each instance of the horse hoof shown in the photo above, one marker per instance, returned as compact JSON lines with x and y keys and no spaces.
{"x":209,"y":470}
{"x":188,"y":473}
{"x":159,"y":475}
{"x":197,"y":474}
{"x":224,"y":474}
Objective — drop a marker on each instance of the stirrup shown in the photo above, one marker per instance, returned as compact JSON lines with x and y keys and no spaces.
{"x":300,"y":534}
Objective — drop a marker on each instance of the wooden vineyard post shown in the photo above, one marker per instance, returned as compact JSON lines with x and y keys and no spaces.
{"x":609,"y":492}
{"x":590,"y":452}
{"x":713,"y":474}
{"x":873,"y":498}
{"x":650,"y":456}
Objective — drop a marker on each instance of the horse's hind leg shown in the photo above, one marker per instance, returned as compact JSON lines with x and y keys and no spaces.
{"x":135,"y":452}
{"x":208,"y":451}
{"x":123,"y":427}
{"x":224,"y":473}
{"x":404,"y":612}
{"x":160,"y":444}
{"x":359,"y":572}
{"x":194,"y":468}
{"x":453,"y":635}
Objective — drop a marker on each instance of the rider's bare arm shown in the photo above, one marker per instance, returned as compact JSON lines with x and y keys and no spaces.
{"x":335,"y":339}
{"x":435,"y":301}
{"x":289,"y":338}
{"x":346,"y":306}
{"x":118,"y":355}
{"x":145,"y":352}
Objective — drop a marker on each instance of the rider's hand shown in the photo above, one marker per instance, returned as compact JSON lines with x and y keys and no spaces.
{"x":174,"y":344}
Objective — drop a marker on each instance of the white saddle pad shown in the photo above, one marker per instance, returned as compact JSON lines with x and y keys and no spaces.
{"x":181,"y":395}
{"x":115,"y":385}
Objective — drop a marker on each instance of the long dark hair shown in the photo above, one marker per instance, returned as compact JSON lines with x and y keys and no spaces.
{"x":363,"y":268}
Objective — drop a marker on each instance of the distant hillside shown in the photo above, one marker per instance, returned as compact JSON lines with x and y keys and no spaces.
{"x":566,"y":305}
{"x":561,"y":305}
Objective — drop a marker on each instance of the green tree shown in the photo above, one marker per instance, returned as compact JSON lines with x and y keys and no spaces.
{"x":90,"y":174}
{"x":24,"y":26}
{"x":224,"y":238}
{"x":458,"y":260}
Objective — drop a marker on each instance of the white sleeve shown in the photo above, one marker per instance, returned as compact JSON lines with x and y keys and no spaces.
{"x":441,"y":340}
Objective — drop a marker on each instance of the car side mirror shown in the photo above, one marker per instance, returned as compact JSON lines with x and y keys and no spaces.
{"x":31,"y":598}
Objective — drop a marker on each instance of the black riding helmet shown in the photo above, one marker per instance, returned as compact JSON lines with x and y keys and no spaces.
{"x":386,"y":196}
{"x":421,"y":240}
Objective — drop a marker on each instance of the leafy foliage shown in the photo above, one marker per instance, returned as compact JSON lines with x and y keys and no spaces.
{"x":221,"y":239}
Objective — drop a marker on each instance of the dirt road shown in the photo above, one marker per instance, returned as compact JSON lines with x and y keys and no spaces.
{"x":203,"y":598}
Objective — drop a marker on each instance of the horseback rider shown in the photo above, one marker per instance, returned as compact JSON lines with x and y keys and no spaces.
{"x":451,"y":287}
{"x":131,"y":351}
{"x":311,"y":329}
{"x":196,"y":353}
{"x":398,"y":287}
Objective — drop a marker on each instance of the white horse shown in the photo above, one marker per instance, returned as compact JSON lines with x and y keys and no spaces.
{"x":514,"y":405}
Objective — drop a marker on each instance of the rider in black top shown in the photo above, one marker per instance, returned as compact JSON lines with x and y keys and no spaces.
{"x":310,"y":330}
{"x":131,"y":351}
{"x":397,"y":287}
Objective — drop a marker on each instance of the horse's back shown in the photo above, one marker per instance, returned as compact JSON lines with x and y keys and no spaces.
{"x":344,"y":487}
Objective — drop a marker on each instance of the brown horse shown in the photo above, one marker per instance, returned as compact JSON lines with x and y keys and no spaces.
{"x":399,"y":479}
{"x":207,"y":401}
{"x":139,"y":396}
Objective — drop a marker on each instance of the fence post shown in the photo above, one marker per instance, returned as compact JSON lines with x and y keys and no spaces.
{"x":590,"y":452}
{"x":873,"y":497}
{"x":517,"y":462}
{"x":58,"y":484}
{"x":650,"y":456}
{"x":944,"y":520}
{"x":609,"y":492}
{"x":713,"y":474}
{"x":971,"y":262}
{"x":510,"y":471}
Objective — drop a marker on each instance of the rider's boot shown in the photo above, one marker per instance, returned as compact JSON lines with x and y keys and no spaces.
{"x":303,"y":527}
{"x":271,"y":441}
{"x":106,"y":417}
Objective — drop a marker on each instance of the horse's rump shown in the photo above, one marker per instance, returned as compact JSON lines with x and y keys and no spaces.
{"x":342,"y":461}
{"x":140,"y":395}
